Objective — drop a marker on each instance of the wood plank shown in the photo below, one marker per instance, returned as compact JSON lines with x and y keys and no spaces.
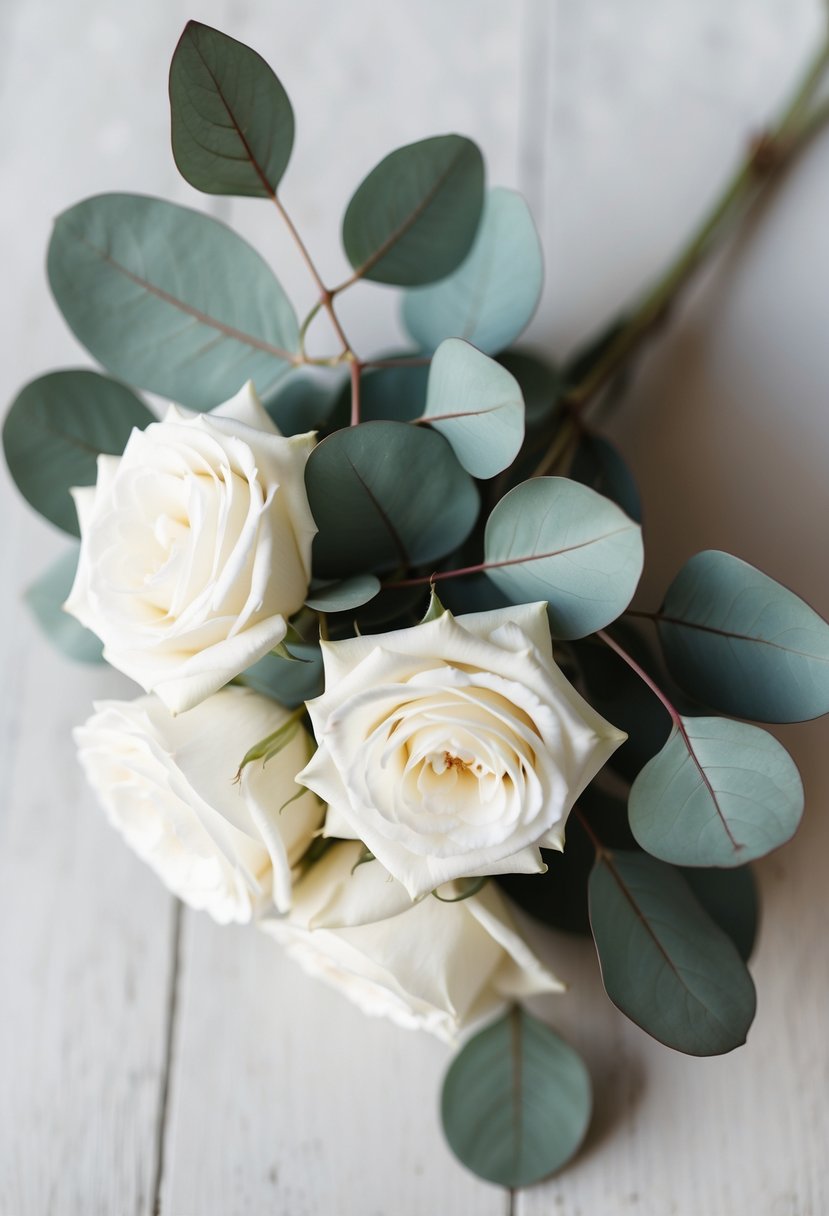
{"x":84,"y":945}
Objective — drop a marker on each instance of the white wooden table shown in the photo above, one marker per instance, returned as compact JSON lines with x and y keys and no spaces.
{"x":150,"y":1061}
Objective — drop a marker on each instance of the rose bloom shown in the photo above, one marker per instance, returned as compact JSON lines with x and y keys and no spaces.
{"x":430,"y":965}
{"x":195,"y":548}
{"x":167,"y":785}
{"x":453,"y":748}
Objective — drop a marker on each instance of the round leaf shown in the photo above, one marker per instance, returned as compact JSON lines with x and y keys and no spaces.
{"x":232,"y":122}
{"x":386,"y":494}
{"x":55,"y":430}
{"x":664,"y":961}
{"x":556,"y":540}
{"x":742,"y":643}
{"x":491,"y":297}
{"x":598,"y":464}
{"x":303,"y":401}
{"x":414,"y":218}
{"x":285,"y":679}
{"x":539,"y":382}
{"x":46,"y":597}
{"x":169,"y":299}
{"x":477,"y":405}
{"x":350,"y":593}
{"x":516,"y":1101}
{"x":730,"y":899}
{"x":719,"y":793}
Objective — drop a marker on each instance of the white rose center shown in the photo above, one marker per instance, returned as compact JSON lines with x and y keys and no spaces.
{"x":446,"y":761}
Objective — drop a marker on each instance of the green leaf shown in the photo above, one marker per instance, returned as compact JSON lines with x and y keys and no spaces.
{"x":516,"y":1101}
{"x":730,"y":899}
{"x":491,"y":297}
{"x":719,"y":793}
{"x":414,"y":218}
{"x":46,"y":597}
{"x":540,"y":383}
{"x":339,"y":597}
{"x":170,"y":300}
{"x":624,"y":699}
{"x":386,"y":494}
{"x":394,"y":394}
{"x":599,"y":464}
{"x":558,"y":897}
{"x":435,"y":608}
{"x":55,"y":430}
{"x":740,"y":642}
{"x":477,"y":405}
{"x":303,"y":401}
{"x":285,"y":680}
{"x":664,"y":961}
{"x":232,"y":122}
{"x":556,"y":540}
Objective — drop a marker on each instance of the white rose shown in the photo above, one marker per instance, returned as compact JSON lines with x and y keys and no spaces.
{"x":195,"y":548}
{"x":453,"y":748}
{"x":167,"y":784}
{"x":430,"y":965}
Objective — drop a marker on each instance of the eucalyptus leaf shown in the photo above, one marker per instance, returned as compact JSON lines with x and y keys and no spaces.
{"x":55,"y":430}
{"x":285,"y":680}
{"x":516,"y":1101}
{"x":46,"y":597}
{"x":303,"y":401}
{"x":339,"y":597}
{"x":558,"y":896}
{"x":386,"y":494}
{"x":414,"y":218}
{"x":599,"y":464}
{"x":621,"y":696}
{"x":719,"y":793}
{"x":232,"y":122}
{"x":491,"y":297}
{"x":394,"y":394}
{"x":742,"y":643}
{"x":540,"y":383}
{"x":170,"y":300}
{"x":665,"y":963}
{"x":556,"y":540}
{"x":730,"y":899}
{"x":477,"y":405}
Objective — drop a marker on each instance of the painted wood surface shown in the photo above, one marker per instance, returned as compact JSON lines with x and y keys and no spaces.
{"x":155,"y":1062}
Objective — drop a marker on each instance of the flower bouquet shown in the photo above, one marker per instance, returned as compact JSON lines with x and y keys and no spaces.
{"x":380,"y":608}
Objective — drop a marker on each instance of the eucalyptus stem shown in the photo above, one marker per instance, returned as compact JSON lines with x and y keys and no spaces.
{"x":766,"y":157}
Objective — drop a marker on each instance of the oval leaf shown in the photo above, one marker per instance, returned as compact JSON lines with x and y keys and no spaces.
{"x":516,"y":1101}
{"x":286,"y":680}
{"x":303,"y":401}
{"x":414,"y":218}
{"x":540,"y":384}
{"x":730,"y":899}
{"x":386,"y":494}
{"x":491,"y":297}
{"x":557,"y":540}
{"x":55,"y":430}
{"x":742,"y":643}
{"x":477,"y":405}
{"x":232,"y":122}
{"x":719,"y":793}
{"x":170,"y":300}
{"x":350,"y":593}
{"x":664,"y":961}
{"x":599,"y":464}
{"x":46,"y":597}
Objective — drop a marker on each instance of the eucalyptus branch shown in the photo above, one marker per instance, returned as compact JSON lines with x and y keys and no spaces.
{"x":765,"y":159}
